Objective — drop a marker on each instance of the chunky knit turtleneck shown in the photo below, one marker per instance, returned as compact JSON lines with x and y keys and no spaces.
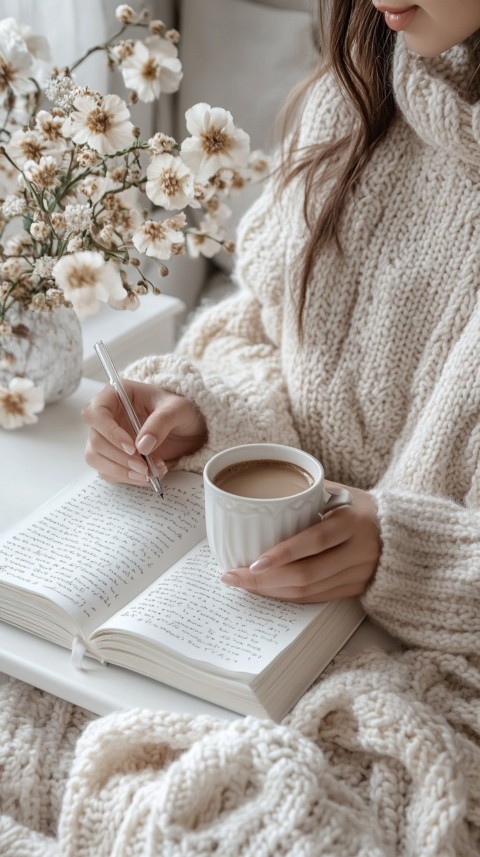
{"x":434,"y":98}
{"x":381,"y":758}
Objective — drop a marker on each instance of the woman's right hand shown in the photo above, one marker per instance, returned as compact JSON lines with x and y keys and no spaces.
{"x":172,"y":426}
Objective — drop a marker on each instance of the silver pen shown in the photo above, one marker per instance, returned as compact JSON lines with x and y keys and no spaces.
{"x":116,"y":382}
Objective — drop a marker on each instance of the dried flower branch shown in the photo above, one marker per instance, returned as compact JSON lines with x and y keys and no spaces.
{"x":85,"y":199}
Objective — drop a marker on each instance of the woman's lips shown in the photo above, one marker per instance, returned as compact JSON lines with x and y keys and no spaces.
{"x":397,"y":19}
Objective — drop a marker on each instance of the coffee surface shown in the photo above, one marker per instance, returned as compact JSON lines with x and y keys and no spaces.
{"x":265,"y":479}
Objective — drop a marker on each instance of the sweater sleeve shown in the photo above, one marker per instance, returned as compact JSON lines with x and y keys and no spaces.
{"x":426,"y":590}
{"x":228,"y":361}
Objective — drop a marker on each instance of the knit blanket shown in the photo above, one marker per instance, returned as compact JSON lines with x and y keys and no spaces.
{"x":381,"y":758}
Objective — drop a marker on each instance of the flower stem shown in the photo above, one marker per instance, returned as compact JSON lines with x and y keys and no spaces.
{"x":103,"y":47}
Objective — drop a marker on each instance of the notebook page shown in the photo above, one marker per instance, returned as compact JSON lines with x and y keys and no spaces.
{"x":192,"y":612}
{"x":95,"y":547}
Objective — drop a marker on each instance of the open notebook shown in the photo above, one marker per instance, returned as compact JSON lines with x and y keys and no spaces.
{"x":115,"y":573}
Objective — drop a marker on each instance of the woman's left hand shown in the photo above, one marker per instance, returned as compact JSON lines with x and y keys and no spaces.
{"x":335,"y":558}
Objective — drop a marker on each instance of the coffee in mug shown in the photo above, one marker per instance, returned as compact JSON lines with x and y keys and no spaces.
{"x":264,"y":479}
{"x":259,"y":494}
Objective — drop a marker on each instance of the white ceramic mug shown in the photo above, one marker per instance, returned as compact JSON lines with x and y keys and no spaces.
{"x":240,"y":529}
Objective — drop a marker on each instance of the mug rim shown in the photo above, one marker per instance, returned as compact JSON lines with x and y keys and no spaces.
{"x":318,"y":480}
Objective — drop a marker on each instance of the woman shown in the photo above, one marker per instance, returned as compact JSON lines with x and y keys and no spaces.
{"x":349,"y":328}
{"x":354,"y":333}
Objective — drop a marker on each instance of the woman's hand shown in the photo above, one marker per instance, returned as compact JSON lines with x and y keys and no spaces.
{"x":172,"y":426}
{"x":335,"y":558}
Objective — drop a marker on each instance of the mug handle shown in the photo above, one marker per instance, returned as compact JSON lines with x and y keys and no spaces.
{"x":342,"y":497}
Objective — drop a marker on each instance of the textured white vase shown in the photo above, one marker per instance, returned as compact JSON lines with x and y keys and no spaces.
{"x":48,"y":350}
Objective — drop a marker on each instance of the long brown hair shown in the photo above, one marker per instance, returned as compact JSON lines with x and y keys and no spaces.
{"x":356,"y":44}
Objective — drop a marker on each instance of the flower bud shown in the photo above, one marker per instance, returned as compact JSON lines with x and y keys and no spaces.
{"x":173,"y":36}
{"x":125,"y":14}
{"x":39,"y":231}
{"x":157,"y":27}
{"x":75,"y":244}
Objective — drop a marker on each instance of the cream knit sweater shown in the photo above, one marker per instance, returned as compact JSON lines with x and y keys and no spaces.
{"x":385,"y":389}
{"x":382,"y":757}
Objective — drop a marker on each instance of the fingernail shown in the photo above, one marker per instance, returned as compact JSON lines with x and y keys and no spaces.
{"x":140,"y":478}
{"x":139,"y":466}
{"x":129,"y":448}
{"x":231,"y":578}
{"x":146,"y":443}
{"x":261,"y":564}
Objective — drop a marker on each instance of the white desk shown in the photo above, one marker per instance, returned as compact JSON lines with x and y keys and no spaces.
{"x":151,"y":329}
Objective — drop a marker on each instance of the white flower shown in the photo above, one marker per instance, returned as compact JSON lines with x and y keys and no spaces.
{"x":50,"y":127}
{"x":37,"y":45}
{"x":13,"y":268}
{"x":103,"y":123}
{"x":166,"y":55}
{"x":234,"y":180}
{"x":22,"y":57}
{"x":16,"y":61}
{"x":162,"y":240}
{"x":19,"y":403}
{"x":62,"y":90}
{"x":93,"y":187}
{"x":43,"y":174}
{"x":259,"y":162}
{"x":217,"y":210}
{"x":152,"y":68}
{"x":27,"y":146}
{"x":200,"y":244}
{"x":39,"y":231}
{"x":39,"y":48}
{"x":57,"y":220}
{"x":43,"y":266}
{"x":206,"y":240}
{"x":130,"y":302}
{"x":125,"y":219}
{"x":13,"y":206}
{"x":86,"y":278}
{"x":122,"y":50}
{"x":170,"y":182}
{"x":78,"y":217}
{"x":75,"y":244}
{"x":215,"y":142}
{"x":120,"y":216}
{"x":87,"y":158}
{"x":106,"y":235}
{"x":161,"y":143}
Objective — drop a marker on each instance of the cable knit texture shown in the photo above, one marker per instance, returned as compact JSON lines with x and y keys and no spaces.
{"x":382,"y":756}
